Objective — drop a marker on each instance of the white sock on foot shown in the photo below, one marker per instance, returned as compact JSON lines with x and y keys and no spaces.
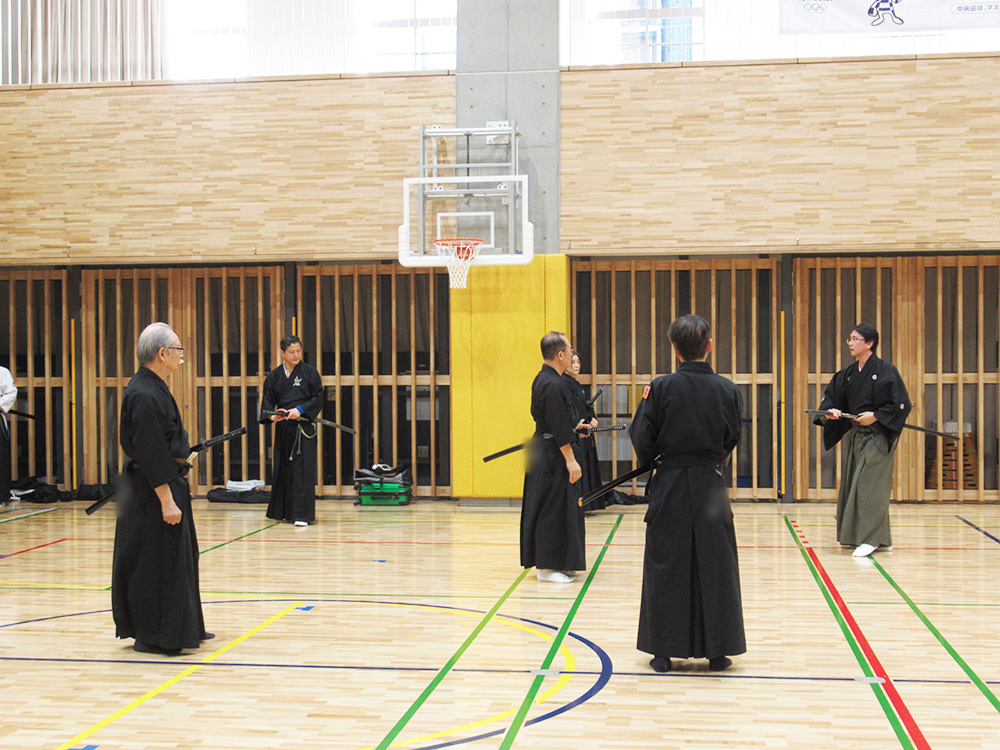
{"x":553,"y":576}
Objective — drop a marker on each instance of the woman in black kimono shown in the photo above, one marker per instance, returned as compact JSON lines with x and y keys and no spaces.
{"x":585,"y":448}
{"x":296,"y":390}
{"x":154,"y":591}
{"x":691,"y":604}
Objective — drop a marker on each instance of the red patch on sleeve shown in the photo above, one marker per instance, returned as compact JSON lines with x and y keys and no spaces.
{"x":645,"y":391}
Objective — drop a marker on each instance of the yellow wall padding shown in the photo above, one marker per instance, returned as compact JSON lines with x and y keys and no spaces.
{"x":496,"y":326}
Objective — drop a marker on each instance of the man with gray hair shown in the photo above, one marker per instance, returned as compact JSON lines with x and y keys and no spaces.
{"x":154,"y":592}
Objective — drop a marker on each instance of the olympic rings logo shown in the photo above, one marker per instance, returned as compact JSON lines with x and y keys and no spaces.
{"x":814,"y":7}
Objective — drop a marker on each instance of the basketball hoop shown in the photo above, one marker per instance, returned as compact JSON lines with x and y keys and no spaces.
{"x":458,"y":254}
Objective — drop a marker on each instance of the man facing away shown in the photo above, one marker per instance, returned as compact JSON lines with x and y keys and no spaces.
{"x":691,"y":602}
{"x":552,"y":521}
{"x":871,"y":388}
{"x":295,"y":390}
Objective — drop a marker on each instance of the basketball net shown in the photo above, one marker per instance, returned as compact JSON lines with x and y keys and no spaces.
{"x":458,"y":254}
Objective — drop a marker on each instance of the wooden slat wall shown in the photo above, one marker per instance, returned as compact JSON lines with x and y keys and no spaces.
{"x":829,"y":302}
{"x":236,"y":315}
{"x":106,"y":308}
{"x":249,"y":172}
{"x":920,"y":318}
{"x":384,"y":326}
{"x":960,"y":377}
{"x":116,"y":309}
{"x":41,"y":297}
{"x":735,"y":306}
{"x":838,"y":156}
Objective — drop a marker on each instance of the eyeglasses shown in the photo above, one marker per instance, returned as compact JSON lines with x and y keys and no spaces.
{"x":854,"y":340}
{"x":176,"y":348}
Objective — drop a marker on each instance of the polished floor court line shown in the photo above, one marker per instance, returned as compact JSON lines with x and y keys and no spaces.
{"x":394,"y":594}
{"x":173,"y":680}
{"x":896,"y":711}
{"x":977,"y":681}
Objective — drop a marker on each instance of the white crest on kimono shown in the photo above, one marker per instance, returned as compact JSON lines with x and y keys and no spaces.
{"x":874,"y":376}
{"x":298,"y":381}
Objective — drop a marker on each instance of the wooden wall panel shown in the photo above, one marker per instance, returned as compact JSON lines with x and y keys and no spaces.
{"x":834,"y":156}
{"x":939,"y":323}
{"x":255,"y":171}
{"x":621,"y":313}
{"x":35,"y":346}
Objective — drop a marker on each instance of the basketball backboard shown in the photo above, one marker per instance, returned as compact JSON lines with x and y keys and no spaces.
{"x":493,"y":208}
{"x":468,"y":187}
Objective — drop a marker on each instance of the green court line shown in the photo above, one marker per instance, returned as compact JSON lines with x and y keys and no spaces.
{"x":28,"y":515}
{"x":941,"y":639}
{"x":536,"y":684}
{"x":412,"y":710}
{"x":265,"y":528}
{"x":883,"y":699}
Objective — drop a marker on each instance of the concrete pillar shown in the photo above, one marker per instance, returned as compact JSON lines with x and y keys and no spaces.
{"x":508,"y":69}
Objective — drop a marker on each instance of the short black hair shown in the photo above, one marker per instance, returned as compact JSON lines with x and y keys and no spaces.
{"x":289,"y":340}
{"x":690,"y":335}
{"x":868,"y":333}
{"x":553,"y":342}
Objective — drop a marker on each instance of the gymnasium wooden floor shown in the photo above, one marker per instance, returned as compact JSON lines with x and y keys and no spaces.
{"x":415,"y":626}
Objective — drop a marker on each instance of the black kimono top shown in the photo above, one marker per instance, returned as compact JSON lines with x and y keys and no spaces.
{"x":302,"y":389}
{"x":876,"y":388}
{"x":150,"y":430}
{"x":578,"y":400}
{"x":692,"y":417}
{"x":551,"y":408}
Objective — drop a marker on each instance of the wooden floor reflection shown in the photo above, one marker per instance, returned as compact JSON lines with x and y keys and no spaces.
{"x":372,"y":628}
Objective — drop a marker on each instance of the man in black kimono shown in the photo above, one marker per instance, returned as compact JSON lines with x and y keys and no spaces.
{"x":552,"y":522}
{"x":295,"y":390}
{"x":585,"y":447}
{"x":872,"y":389}
{"x":154,"y":581}
{"x":8,"y":397}
{"x":691,"y":603}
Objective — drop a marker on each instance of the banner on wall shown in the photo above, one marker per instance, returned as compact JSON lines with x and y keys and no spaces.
{"x":885,"y":16}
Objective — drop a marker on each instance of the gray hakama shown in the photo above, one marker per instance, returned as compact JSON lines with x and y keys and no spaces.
{"x":869,"y":452}
{"x":863,"y":502}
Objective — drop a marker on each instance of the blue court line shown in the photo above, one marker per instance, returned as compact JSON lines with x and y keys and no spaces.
{"x":603,"y":677}
{"x":577,"y":672}
{"x":981,"y":531}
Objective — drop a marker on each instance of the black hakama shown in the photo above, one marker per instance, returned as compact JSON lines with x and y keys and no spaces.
{"x":585,"y":448}
{"x":552,"y":521}
{"x":154,"y":582}
{"x":691,"y":603}
{"x":293,"y":458}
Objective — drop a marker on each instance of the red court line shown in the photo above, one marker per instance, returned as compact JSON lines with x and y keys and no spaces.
{"x":47,"y":544}
{"x":890,"y":689}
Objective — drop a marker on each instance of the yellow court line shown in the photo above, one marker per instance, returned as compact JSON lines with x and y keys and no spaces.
{"x":568,"y":659}
{"x":174,"y":680}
